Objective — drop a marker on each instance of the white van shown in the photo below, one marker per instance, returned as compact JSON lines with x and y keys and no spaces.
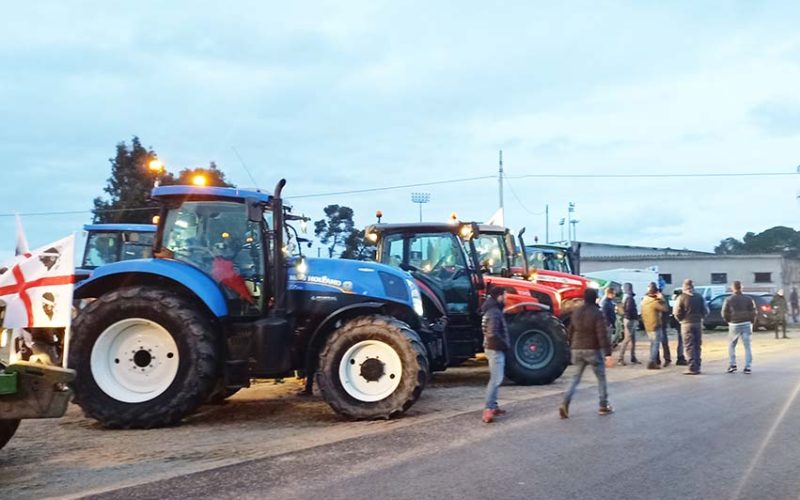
{"x":708,"y":292}
{"x":639,"y":278}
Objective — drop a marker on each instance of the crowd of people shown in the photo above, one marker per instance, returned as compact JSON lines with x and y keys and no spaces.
{"x":593,"y":329}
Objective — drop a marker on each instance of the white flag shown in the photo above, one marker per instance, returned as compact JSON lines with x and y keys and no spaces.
{"x":496,"y":219}
{"x":37,"y":287}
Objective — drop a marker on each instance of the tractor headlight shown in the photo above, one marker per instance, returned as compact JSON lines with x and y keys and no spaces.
{"x":416,"y":297}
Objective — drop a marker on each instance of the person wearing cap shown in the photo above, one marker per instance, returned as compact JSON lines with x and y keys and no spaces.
{"x":630,"y":322}
{"x":653,"y":307}
{"x":690,"y":309}
{"x":496,"y":342}
{"x":740,"y":312}
{"x":779,"y":309}
{"x":588,"y":340}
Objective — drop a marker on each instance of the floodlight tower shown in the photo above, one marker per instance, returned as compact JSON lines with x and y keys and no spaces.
{"x":420,"y":199}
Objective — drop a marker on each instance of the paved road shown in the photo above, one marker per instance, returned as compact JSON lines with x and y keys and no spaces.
{"x":673,"y":436}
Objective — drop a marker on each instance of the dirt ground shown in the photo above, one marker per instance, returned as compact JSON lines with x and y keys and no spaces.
{"x":73,"y":456}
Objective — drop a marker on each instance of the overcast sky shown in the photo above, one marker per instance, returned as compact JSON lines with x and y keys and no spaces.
{"x":349,"y":95}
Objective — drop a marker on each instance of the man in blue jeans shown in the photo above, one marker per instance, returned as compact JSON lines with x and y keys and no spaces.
{"x":495,"y":344}
{"x":588,"y":340}
{"x":739,"y":311}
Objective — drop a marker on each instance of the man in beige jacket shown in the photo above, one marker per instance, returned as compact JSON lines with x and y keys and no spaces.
{"x":653,"y":307}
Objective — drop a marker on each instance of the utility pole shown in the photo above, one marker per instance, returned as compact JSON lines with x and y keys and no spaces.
{"x":547,"y":224}
{"x":500,"y":180}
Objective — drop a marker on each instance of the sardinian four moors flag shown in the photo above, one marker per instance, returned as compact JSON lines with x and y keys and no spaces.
{"x":36,"y":287}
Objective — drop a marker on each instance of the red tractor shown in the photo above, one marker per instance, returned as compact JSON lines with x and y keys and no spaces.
{"x":453,"y":274}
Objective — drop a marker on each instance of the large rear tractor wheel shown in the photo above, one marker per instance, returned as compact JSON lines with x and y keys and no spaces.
{"x":7,"y":430}
{"x":539,"y":352}
{"x":145,"y":357}
{"x":372,"y":367}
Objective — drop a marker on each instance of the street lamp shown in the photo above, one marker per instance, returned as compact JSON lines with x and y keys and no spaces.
{"x":420,"y":198}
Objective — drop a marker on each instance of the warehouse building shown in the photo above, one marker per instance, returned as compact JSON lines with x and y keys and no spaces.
{"x":758,"y":272}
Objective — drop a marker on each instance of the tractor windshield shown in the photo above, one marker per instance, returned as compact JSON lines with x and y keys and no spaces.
{"x":218,"y":238}
{"x":549,"y":260}
{"x":492,"y":254}
{"x":112,"y":246}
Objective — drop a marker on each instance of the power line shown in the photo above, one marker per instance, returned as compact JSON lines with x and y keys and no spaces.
{"x":514,"y":193}
{"x":470,"y":179}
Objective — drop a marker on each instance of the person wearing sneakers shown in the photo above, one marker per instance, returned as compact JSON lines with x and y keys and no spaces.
{"x":495,"y":344}
{"x":690,"y":309}
{"x":740,"y":312}
{"x":588,"y":338}
{"x":779,"y":308}
{"x":630,"y":322}
{"x":653,"y":308}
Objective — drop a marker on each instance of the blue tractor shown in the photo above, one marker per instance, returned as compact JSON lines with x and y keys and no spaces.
{"x":107,"y":243}
{"x":222,"y":302}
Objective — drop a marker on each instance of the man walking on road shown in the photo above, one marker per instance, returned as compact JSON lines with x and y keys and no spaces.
{"x":739,"y":312}
{"x":630,"y":322}
{"x":588,"y":339}
{"x":794,"y":302}
{"x":495,"y":344}
{"x":653,"y":308}
{"x":690,"y":309}
{"x":778,"y":304}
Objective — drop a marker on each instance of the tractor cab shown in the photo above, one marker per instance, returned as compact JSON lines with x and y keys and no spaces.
{"x":108,"y":243}
{"x":213,"y":231}
{"x":453,"y":264}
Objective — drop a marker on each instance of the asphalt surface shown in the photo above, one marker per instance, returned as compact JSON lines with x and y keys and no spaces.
{"x":673,"y":436}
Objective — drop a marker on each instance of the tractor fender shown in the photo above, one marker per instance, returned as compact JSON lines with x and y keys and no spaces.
{"x":526,"y":306}
{"x":170,"y":273}
{"x":351,"y":311}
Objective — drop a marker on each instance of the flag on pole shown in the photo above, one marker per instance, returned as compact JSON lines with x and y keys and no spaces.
{"x":22,"y":242}
{"x":496,"y":219}
{"x":36,"y":287}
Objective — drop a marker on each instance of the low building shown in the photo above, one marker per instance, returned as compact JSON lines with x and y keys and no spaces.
{"x":758,"y":272}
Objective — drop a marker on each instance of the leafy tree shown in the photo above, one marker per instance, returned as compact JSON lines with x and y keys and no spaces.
{"x":129,"y":186}
{"x":214,"y":176}
{"x":356,"y":247}
{"x":131,"y":182}
{"x":334,"y":230}
{"x":778,"y":239}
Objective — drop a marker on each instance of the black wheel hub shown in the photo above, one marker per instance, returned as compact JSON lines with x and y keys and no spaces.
{"x":372,"y":370}
{"x":534,"y":350}
{"x":142,"y":358}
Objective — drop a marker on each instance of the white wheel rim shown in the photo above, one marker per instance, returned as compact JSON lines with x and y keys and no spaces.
{"x":370,"y":371}
{"x":134,"y":360}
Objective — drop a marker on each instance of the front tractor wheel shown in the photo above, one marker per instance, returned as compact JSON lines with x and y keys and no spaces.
{"x":145,"y":357}
{"x":539,"y":352}
{"x":372,"y":367}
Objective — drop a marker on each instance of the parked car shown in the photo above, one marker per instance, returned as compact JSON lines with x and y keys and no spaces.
{"x":764,"y":321}
{"x":708,"y":292}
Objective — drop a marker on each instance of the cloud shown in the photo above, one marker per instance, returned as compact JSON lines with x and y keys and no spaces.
{"x":780,"y":118}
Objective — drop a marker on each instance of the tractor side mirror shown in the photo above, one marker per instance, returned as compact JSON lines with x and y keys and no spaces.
{"x":255,"y":213}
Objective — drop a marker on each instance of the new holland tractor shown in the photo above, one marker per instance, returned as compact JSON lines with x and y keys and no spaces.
{"x":453,"y":272}
{"x":108,"y":243}
{"x":221,"y":302}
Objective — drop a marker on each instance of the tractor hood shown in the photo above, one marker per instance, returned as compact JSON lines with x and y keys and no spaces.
{"x":367,"y":279}
{"x":558,"y":279}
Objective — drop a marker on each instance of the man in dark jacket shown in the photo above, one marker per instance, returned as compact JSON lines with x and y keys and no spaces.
{"x":609,"y":309}
{"x":588,"y":340}
{"x":794,"y":303}
{"x":495,"y":344}
{"x":778,"y":304}
{"x":690,"y":309}
{"x":630,"y":322}
{"x":739,"y":311}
